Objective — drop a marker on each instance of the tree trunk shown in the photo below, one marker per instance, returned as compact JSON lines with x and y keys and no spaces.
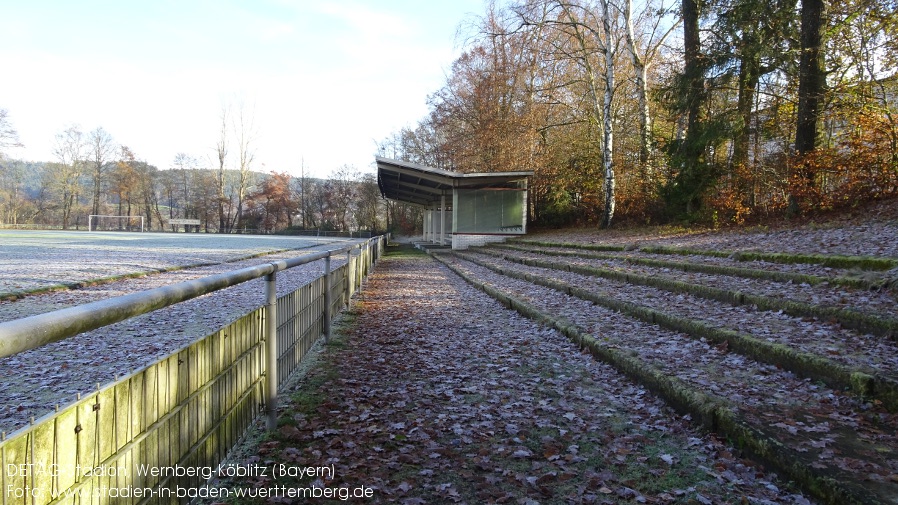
{"x":811,"y":86}
{"x":221,"y":199}
{"x":641,"y":71}
{"x":120,"y":204}
{"x":221,"y":150}
{"x":749,"y":72}
{"x":694,"y":75}
{"x":95,"y":207}
{"x":692,"y":68}
{"x":811,"y":76}
{"x":607,"y":120}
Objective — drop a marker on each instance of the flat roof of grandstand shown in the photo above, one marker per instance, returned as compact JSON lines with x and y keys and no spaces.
{"x":423,"y":185}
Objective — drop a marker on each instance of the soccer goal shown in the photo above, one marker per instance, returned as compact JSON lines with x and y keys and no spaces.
{"x":96,"y":222}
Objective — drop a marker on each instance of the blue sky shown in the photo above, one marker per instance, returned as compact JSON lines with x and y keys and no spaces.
{"x":324,"y":81}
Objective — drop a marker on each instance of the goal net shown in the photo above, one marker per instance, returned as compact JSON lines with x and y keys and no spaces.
{"x":97,"y":222}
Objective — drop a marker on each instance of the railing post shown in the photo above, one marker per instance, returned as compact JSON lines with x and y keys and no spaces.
{"x":356,"y":265}
{"x":327,"y":299}
{"x":271,"y":394}
{"x":349,"y":278}
{"x":357,"y":276}
{"x":363,"y":269}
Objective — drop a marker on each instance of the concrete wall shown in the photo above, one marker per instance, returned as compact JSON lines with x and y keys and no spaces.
{"x":460,"y":241}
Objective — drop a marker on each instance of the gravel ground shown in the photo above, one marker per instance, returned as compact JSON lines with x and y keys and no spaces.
{"x":34,"y":382}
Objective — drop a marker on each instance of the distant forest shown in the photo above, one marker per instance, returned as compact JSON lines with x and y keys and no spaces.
{"x":711,"y":111}
{"x":42,"y":195}
{"x":95,"y":176}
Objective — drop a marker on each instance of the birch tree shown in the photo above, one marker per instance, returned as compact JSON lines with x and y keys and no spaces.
{"x":643,"y":49}
{"x":581,"y":23}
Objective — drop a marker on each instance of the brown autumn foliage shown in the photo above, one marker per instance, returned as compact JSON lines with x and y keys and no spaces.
{"x":518,"y":98}
{"x":273,"y":205}
{"x":862,"y":166}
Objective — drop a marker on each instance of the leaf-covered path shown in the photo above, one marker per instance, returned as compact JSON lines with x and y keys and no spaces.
{"x":436,"y":393}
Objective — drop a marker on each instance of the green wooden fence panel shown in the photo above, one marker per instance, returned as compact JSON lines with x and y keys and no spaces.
{"x":185,"y":410}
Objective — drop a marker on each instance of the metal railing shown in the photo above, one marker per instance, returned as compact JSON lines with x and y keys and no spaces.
{"x":182,"y":412}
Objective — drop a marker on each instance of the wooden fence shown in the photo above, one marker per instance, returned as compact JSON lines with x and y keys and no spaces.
{"x":154,"y":435}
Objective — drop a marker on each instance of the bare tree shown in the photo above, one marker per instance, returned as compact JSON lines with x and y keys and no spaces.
{"x":303,"y":188}
{"x":9,"y":137}
{"x":11,"y":177}
{"x":13,"y":199}
{"x":102,"y":148}
{"x":341,"y":191}
{"x":221,"y":152}
{"x":589,"y":37}
{"x":183,"y":183}
{"x":71,"y":151}
{"x":245,"y":135}
{"x":368,"y":204}
{"x":205,"y":198}
{"x":147,"y":188}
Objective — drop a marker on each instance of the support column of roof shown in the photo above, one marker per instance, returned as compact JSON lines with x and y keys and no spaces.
{"x":442,"y":219}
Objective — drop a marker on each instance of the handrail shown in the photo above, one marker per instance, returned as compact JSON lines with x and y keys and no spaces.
{"x":202,"y":396}
{"x":34,"y":331}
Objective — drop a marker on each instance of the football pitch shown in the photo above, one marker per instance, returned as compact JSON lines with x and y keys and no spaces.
{"x":36,"y":260}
